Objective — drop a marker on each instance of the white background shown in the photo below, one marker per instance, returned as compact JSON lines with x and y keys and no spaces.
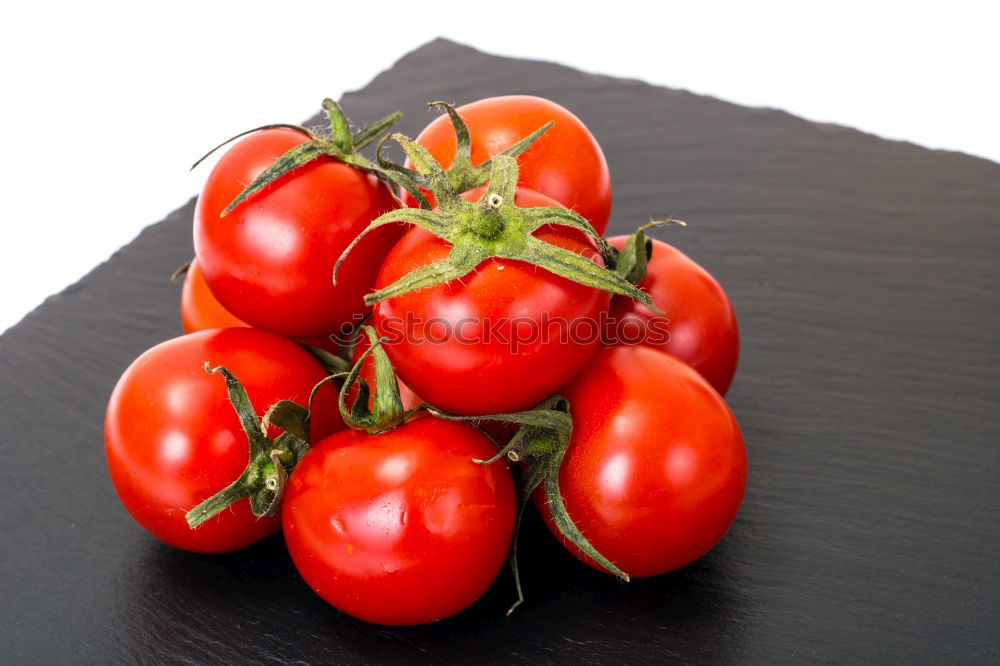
{"x":106,"y":104}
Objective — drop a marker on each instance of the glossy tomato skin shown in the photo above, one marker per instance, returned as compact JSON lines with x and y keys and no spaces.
{"x":172,"y":439}
{"x":701,"y":322}
{"x":566,"y":163}
{"x":656,"y":468}
{"x":270,"y":260}
{"x":201,"y":310}
{"x":475,"y":345}
{"x":403,"y":527}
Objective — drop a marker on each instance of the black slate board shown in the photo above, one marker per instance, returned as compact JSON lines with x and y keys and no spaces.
{"x":865,"y":274}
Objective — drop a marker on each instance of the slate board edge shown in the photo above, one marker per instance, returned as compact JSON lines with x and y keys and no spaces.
{"x":443,"y":41}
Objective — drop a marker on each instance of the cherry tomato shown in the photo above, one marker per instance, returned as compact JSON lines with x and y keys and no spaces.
{"x":566,"y":163}
{"x":201,"y":310}
{"x":402,"y":527}
{"x":501,"y":339}
{"x":172,"y":438}
{"x":270,"y":260}
{"x":656,"y":467}
{"x":700,"y":323}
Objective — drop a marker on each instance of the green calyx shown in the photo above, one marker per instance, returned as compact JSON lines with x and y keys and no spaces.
{"x":263,"y":480}
{"x":340,"y":145}
{"x":541,"y":443}
{"x":381,"y":411}
{"x":462,"y":174}
{"x":632,"y":261}
{"x":272,"y":460}
{"x":492,"y":227}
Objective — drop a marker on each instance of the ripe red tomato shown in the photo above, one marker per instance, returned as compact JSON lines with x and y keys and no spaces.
{"x":201,"y":310}
{"x":699,"y":318}
{"x":566,"y":163}
{"x":501,"y":339}
{"x":270,"y":260}
{"x":656,"y":467}
{"x":402,"y":527}
{"x":172,"y":438}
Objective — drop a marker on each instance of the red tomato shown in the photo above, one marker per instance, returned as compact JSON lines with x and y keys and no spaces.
{"x":403,"y":527}
{"x":656,"y":468}
{"x":270,"y":260}
{"x":501,"y":339}
{"x":172,"y":438}
{"x":565,"y":164}
{"x":699,"y":318}
{"x":201,"y":310}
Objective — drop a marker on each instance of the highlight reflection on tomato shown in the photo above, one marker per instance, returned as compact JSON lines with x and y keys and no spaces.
{"x":270,"y":260}
{"x":172,"y":438}
{"x":565,"y":164}
{"x":201,"y":310}
{"x":402,"y":527}
{"x":656,"y":468}
{"x":701,"y":323}
{"x":494,"y":357}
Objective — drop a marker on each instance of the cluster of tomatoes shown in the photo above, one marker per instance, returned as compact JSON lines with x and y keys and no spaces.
{"x":390,"y":362}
